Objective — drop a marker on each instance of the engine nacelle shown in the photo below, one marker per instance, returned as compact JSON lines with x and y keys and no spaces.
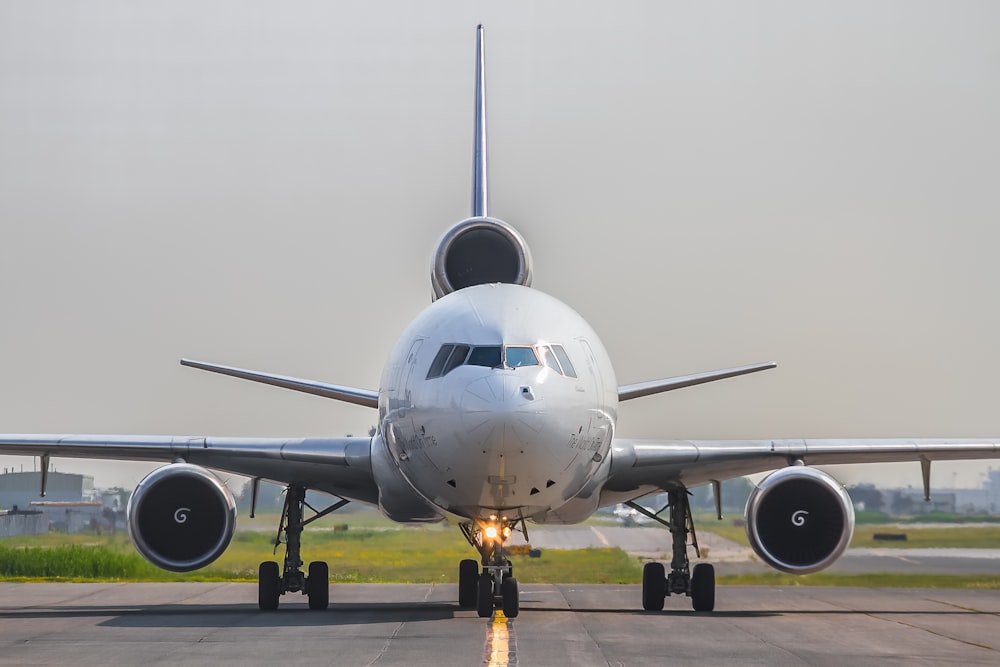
{"x":799,"y":520}
{"x":181,"y":517}
{"x":479,"y":251}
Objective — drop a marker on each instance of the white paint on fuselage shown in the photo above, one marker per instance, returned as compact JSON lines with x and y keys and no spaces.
{"x":515,"y":441}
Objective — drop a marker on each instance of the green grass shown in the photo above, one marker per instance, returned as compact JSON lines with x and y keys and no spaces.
{"x":407,"y":555}
{"x":876,"y":580}
{"x":372,"y":552}
{"x":956,"y":536}
{"x":72,"y":562}
{"x":967,"y":537}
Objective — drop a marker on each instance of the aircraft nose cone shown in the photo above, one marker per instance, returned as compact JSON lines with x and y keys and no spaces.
{"x":501,"y":412}
{"x":492,"y":391}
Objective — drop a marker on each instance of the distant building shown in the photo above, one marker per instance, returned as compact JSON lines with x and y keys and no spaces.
{"x":984,"y":500}
{"x":911,"y":501}
{"x":70,"y":504}
{"x":23,"y":488}
{"x":23,"y":522}
{"x":73,"y":517}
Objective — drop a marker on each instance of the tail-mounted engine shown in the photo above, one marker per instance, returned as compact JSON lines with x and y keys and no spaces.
{"x":479,"y":251}
{"x":799,"y":520}
{"x":181,"y":517}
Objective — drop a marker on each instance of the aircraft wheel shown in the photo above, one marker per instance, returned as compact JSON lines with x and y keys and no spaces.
{"x":468,"y":576}
{"x":318,"y":585}
{"x":484,"y":595}
{"x":511,"y":597}
{"x":654,"y":586}
{"x":268,"y":585}
{"x":703,"y":587}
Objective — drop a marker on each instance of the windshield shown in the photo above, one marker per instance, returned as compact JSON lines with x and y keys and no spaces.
{"x":453,"y":355}
{"x":521,"y":356}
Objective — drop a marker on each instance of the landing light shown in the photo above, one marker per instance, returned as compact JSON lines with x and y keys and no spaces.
{"x":491,"y":532}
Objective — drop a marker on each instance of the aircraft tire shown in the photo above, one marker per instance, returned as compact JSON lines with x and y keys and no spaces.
{"x":484,"y":595}
{"x":268,"y":585}
{"x":511,"y":597}
{"x":468,"y":580}
{"x":654,"y":586}
{"x":318,"y":585}
{"x":703,"y":587}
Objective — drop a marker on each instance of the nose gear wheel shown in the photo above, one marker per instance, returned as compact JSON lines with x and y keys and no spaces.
{"x":495,"y":586}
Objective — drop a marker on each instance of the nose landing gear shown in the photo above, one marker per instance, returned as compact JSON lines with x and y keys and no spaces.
{"x":495,"y":586}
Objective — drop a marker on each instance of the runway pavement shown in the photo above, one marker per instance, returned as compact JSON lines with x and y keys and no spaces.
{"x":219,"y":624}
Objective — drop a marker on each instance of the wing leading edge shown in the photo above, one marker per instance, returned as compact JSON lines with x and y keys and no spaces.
{"x":641,"y":465}
{"x":341,"y":466}
{"x":365,"y":397}
{"x":627,"y":392}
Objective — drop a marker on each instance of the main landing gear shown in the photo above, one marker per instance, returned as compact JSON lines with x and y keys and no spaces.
{"x":495,"y":587}
{"x":272,"y":583}
{"x":699,"y":583}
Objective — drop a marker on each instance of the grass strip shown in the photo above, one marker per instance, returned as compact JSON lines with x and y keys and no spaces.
{"x":879,"y":580}
{"x":431,"y":554}
{"x":954,"y":537}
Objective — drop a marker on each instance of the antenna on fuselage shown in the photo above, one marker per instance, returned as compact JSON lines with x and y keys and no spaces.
{"x":480,"y":187}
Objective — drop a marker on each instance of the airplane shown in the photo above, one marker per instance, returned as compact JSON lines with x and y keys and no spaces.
{"x":498,"y":406}
{"x":628,"y":516}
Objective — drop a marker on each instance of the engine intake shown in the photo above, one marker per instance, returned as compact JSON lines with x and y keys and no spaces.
{"x":181,"y":517}
{"x":799,"y":520}
{"x":479,"y":251}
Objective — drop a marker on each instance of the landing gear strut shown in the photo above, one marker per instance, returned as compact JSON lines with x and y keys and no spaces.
{"x":495,"y":587}
{"x":699,"y":583}
{"x":272,"y":583}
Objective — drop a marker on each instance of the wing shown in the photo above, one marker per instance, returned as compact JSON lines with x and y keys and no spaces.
{"x":627,"y":392}
{"x":341,"y":466}
{"x":639,"y":467}
{"x":365,"y":397}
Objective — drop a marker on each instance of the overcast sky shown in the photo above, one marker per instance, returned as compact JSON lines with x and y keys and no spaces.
{"x":710,"y":184}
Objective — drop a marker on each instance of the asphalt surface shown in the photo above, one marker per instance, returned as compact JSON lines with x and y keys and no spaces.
{"x":179,"y":624}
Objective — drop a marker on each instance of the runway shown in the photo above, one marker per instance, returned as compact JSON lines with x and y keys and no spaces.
{"x":369,"y":624}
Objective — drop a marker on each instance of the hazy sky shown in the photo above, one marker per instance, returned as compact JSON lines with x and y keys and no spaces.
{"x":710,"y":184}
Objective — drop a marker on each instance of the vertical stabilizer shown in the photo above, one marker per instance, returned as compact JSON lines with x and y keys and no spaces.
{"x":480,"y":187}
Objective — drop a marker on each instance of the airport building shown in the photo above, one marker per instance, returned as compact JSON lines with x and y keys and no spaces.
{"x":984,"y":500}
{"x":69,"y":504}
{"x":23,"y":488}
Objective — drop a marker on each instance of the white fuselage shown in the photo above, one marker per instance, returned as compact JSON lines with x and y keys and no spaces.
{"x":481,"y":416}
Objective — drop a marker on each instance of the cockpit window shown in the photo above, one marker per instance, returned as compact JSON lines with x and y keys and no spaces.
{"x":550,"y":358}
{"x":487,"y":355}
{"x":564,"y":361}
{"x":456,"y":359}
{"x":448,"y":358}
{"x":520,"y":356}
{"x":437,"y":366}
{"x":453,"y":355}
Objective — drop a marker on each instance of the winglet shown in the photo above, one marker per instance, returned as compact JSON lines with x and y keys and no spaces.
{"x":480,"y":186}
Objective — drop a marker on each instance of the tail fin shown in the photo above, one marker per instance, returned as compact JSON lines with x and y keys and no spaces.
{"x":480,"y":186}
